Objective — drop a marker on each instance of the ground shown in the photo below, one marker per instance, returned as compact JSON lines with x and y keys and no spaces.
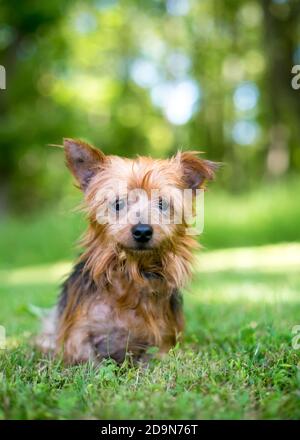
{"x":237,"y":359}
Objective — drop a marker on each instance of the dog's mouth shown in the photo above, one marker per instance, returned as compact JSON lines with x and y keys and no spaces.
{"x":139,"y":248}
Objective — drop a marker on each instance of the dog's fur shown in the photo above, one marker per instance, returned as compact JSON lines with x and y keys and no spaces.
{"x":120,"y":298}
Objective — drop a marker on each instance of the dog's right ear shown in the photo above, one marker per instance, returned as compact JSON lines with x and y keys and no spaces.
{"x":196,"y":171}
{"x":83,"y":160}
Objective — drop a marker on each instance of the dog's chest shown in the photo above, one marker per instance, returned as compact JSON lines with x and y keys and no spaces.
{"x":128,"y":306}
{"x":130,"y":319}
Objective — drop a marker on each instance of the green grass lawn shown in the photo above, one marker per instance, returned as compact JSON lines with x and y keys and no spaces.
{"x":236,"y":360}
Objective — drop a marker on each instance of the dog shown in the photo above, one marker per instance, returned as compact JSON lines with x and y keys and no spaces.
{"x":123,"y":295}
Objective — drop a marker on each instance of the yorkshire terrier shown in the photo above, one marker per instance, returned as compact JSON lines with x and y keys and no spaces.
{"x":123,"y":295}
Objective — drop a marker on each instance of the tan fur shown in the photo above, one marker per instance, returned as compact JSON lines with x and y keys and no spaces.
{"x":124,"y":300}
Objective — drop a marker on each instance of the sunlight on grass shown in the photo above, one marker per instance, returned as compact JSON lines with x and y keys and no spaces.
{"x":271,"y":259}
{"x":46,"y":273}
{"x":245,"y":291}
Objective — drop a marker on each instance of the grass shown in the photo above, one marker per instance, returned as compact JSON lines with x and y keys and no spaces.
{"x":237,"y":359}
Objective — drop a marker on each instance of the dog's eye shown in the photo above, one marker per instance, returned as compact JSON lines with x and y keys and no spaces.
{"x":119,"y":204}
{"x":163,"y":204}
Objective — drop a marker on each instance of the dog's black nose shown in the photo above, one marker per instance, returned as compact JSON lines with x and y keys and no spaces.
{"x":142,"y":233}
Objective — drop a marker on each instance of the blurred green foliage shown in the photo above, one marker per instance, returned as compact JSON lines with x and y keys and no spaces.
{"x":268,"y":215}
{"x":147,"y":77}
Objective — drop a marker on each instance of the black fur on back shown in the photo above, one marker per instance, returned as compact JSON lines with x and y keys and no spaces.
{"x":82,"y":278}
{"x":176,"y":301}
{"x":86,"y":285}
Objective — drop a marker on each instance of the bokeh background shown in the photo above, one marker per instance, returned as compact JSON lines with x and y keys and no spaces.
{"x":143,"y":77}
{"x":149,"y":77}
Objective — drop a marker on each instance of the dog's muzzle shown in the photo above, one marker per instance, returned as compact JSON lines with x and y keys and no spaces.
{"x":142,"y":233}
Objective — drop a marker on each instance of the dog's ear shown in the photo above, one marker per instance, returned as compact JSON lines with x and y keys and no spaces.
{"x":83,"y":160}
{"x":196,"y":171}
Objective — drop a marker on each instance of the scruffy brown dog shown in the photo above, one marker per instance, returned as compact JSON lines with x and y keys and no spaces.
{"x":123,"y":294}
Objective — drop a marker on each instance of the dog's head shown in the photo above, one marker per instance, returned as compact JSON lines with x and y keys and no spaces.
{"x":137,"y":204}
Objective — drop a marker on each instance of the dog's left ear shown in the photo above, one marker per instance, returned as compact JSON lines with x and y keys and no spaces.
{"x":196,"y":171}
{"x":83,"y":160}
